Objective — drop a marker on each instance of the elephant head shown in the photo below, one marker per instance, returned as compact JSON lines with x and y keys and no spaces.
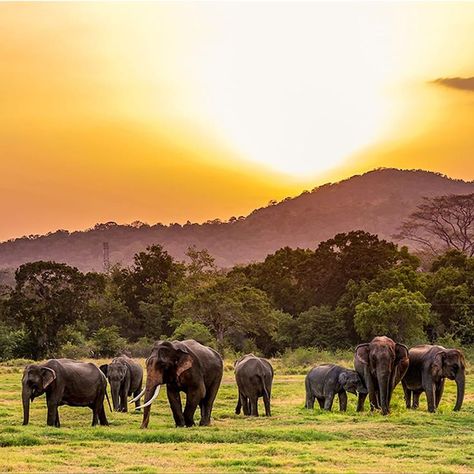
{"x":116,"y":372}
{"x":35,"y":381}
{"x":167,"y":362}
{"x":450,"y":363}
{"x":386,"y":362}
{"x":351,"y":382}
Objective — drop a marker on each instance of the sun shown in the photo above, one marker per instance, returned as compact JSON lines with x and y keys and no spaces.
{"x":296,"y":95}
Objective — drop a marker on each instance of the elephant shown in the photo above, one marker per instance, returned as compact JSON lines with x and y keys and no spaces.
{"x":65,"y":382}
{"x":254,"y":377}
{"x":325,"y":381}
{"x":184,"y":366}
{"x":381,"y":364}
{"x":125,"y":377}
{"x":428,"y":370}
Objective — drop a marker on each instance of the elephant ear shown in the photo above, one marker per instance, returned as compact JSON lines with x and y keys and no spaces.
{"x":185,"y":361}
{"x":104,"y":368}
{"x":342,"y":379}
{"x":402,"y":361}
{"x":438,"y":362}
{"x":362,"y":353}
{"x":49,"y":375}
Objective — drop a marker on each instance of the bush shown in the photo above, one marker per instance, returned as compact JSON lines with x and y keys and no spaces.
{"x":107,"y":342}
{"x":193,"y":330}
{"x":13,"y":343}
{"x":71,"y":351}
{"x":141,"y":348}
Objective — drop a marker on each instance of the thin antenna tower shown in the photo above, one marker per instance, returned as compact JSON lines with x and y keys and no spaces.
{"x":106,"y":257}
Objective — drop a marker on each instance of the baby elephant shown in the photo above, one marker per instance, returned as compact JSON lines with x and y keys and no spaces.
{"x":254,"y":377}
{"x":125,"y":378}
{"x":325,"y":381}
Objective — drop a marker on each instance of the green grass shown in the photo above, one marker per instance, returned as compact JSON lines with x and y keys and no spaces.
{"x":294,"y":439}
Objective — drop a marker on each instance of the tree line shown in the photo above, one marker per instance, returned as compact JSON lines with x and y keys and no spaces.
{"x":347,"y":290}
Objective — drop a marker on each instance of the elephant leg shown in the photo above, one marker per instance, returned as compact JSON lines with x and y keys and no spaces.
{"x":246,"y":405}
{"x":175,"y":403}
{"x":329,"y":401}
{"x":192,"y":402}
{"x":52,"y":412}
{"x":254,"y":405}
{"x":58,"y":424}
{"x":102,"y":417}
{"x":239,"y":405}
{"x":208,"y":403}
{"x":310,"y":401}
{"x":342,"y":401}
{"x":439,"y":392}
{"x":125,"y":391}
{"x":429,"y":388}
{"x":266,"y":402}
{"x":407,"y":392}
{"x":416,"y":399}
{"x":360,"y":401}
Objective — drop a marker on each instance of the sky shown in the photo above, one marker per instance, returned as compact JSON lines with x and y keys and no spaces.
{"x":168,"y":112}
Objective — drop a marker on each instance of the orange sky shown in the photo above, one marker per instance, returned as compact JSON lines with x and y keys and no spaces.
{"x":165,"y":112}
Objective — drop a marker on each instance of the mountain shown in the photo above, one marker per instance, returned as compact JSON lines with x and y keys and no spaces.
{"x":376,"y":201}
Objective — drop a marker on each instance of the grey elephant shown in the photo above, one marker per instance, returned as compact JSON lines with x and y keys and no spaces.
{"x":65,"y":382}
{"x":125,"y":377}
{"x":325,"y":381}
{"x":381,"y":363}
{"x":187,"y":367}
{"x":254,"y":377}
{"x":429,"y":367}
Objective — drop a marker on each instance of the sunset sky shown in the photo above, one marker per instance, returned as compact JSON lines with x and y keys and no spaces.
{"x":164,"y":112}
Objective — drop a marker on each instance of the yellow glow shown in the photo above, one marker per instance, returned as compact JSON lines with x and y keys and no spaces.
{"x":187,"y":110}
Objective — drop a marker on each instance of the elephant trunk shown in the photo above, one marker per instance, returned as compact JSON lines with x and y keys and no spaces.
{"x":460,"y":382}
{"x":26,"y":405}
{"x":383,"y":379}
{"x":149,"y":394}
{"x":114,"y":390}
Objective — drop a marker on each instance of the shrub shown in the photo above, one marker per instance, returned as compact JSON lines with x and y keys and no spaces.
{"x":107,"y":342}
{"x":141,"y":348}
{"x":193,"y":330}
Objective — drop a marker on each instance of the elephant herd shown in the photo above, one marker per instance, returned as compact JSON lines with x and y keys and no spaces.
{"x":189,"y":367}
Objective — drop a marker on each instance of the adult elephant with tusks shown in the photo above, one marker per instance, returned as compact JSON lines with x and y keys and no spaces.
{"x":187,"y":367}
{"x":381,"y":363}
{"x":429,"y":367}
{"x":125,"y":377}
{"x":65,"y":382}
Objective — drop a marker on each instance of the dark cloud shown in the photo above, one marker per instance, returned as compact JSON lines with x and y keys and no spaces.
{"x":461,"y":83}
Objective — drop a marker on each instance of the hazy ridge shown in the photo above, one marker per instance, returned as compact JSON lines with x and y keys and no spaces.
{"x":376,"y":201}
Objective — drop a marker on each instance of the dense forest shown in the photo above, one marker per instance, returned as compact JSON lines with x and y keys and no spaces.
{"x":377,"y":202}
{"x":346,"y":290}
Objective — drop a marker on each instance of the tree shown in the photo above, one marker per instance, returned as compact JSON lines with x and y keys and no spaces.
{"x":321,"y":327}
{"x":193,"y":330}
{"x":226,"y":306}
{"x":279,"y":276}
{"x":443,"y":222}
{"x":148,"y":289}
{"x":394,"y":312}
{"x":355,"y":256}
{"x":47,"y":297}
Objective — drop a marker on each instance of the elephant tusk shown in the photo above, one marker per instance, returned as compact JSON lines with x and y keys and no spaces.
{"x":149,"y":402}
{"x":138,"y":396}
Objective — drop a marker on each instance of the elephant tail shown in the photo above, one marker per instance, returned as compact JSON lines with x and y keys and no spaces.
{"x":107,"y":397}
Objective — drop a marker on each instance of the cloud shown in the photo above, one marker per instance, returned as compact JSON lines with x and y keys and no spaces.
{"x":460,"y":83}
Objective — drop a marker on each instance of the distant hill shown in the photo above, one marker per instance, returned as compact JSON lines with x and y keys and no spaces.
{"x":376,"y":201}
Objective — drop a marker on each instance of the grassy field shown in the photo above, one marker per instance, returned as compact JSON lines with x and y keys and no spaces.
{"x":294,"y":439}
